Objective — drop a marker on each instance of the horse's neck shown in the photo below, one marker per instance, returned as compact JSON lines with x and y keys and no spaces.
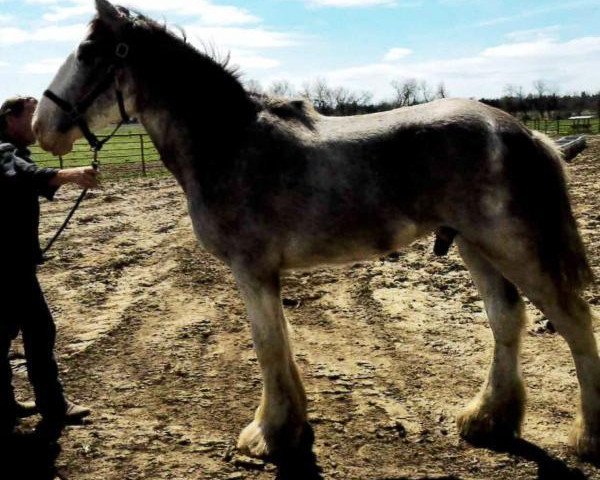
{"x":167,"y":136}
{"x":193,"y":127}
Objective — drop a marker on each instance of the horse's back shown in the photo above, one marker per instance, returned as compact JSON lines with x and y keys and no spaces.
{"x":440,"y":114}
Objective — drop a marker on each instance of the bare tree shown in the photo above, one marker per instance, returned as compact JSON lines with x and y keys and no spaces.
{"x":321,"y":94}
{"x":426,"y":94}
{"x":253,"y":86}
{"x":405,"y":92}
{"x":514,"y":91}
{"x":281,"y":88}
{"x":540,"y":88}
{"x":339,"y":100}
{"x":441,"y":91}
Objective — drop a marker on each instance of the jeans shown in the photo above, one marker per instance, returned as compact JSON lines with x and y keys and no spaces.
{"x":23,"y":308}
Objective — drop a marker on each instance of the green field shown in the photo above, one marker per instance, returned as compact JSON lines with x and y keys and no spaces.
{"x":561,"y":128}
{"x":129,"y":153}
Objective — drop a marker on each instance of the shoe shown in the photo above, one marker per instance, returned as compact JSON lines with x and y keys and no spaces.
{"x":75,"y":413}
{"x":25,"y":409}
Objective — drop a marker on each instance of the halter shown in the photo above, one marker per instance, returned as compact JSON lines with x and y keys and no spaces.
{"x":76,"y":117}
{"x":76,"y":112}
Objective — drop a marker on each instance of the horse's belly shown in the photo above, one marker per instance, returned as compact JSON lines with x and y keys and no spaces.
{"x":305,"y":251}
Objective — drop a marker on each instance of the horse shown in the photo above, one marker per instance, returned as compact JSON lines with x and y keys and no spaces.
{"x":272,"y":185}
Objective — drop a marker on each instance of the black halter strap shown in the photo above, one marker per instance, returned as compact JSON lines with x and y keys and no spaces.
{"x":76,"y":113}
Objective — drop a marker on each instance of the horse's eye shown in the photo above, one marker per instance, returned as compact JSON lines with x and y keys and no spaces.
{"x":87,"y":52}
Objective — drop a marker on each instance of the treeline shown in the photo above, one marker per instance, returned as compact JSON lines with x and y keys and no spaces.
{"x":542,"y":102}
{"x":343,"y":101}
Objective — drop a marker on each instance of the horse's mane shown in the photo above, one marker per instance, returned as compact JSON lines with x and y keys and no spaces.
{"x":198,"y":86}
{"x":141,"y":21}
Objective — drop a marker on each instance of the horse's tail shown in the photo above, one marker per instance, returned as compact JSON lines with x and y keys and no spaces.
{"x":542,"y":188}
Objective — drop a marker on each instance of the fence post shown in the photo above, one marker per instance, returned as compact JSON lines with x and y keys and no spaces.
{"x":142,"y":152}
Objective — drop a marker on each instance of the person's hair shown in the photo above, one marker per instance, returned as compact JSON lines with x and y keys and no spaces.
{"x":13,"y":106}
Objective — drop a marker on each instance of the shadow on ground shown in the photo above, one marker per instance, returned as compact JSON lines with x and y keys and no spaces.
{"x":26,"y":456}
{"x":301,"y":464}
{"x":549,"y":467}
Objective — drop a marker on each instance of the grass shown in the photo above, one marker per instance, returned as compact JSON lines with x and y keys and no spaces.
{"x":121,"y":156}
{"x":562,"y":127}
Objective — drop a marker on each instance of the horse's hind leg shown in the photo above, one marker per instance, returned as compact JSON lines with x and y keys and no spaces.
{"x":281,"y":417}
{"x":572,"y":317}
{"x":496,"y":413}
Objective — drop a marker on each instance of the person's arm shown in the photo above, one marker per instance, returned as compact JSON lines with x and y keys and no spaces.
{"x":16,"y":172}
{"x":45,"y":181}
{"x":85,"y":177}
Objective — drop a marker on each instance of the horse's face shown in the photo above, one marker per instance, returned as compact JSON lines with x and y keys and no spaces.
{"x":80,"y":74}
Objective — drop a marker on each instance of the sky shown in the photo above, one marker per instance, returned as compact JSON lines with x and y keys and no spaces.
{"x":475,"y":47}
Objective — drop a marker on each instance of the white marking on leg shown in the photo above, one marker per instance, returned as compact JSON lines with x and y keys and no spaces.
{"x":282,"y":412}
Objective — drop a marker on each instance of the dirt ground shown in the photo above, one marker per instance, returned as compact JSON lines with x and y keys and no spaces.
{"x":152,"y":334}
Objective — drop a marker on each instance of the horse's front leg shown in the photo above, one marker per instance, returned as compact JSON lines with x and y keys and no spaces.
{"x":281,"y":415}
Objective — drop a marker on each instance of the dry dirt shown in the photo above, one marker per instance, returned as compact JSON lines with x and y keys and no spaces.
{"x":152,"y":334}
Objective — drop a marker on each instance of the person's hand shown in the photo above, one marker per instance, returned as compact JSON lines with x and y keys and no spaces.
{"x":85,"y":177}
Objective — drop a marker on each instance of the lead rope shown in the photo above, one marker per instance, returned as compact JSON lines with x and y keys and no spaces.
{"x":95,"y":166}
{"x":76,"y":113}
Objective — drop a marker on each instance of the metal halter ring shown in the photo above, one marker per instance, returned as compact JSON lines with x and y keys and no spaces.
{"x":122,"y":50}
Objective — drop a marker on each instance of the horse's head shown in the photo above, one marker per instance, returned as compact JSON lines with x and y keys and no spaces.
{"x":85,"y":86}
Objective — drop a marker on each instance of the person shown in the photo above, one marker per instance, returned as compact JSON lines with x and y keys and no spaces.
{"x":23,"y":307}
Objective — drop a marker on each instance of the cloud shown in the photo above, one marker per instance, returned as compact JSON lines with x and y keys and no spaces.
{"x":206,"y":11}
{"x":460,"y":2}
{"x":61,"y":13}
{"x":67,"y":33}
{"x":545,"y":48}
{"x":486,"y":73}
{"x":235,"y":37}
{"x":44,"y":2}
{"x":43,"y":67}
{"x":350,"y":3}
{"x":6,"y":18}
{"x":251,"y":60}
{"x":538,"y":33}
{"x":539,"y":11}
{"x":397,"y":53}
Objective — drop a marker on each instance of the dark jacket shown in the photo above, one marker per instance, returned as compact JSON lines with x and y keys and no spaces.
{"x":21,"y":184}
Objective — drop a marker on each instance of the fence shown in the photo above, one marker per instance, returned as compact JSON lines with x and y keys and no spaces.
{"x":125,"y":155}
{"x":564,"y":127}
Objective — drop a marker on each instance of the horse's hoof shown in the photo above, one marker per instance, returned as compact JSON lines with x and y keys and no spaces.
{"x":585,"y":443}
{"x":481,"y":425}
{"x":254,"y":442}
{"x":257,"y":440}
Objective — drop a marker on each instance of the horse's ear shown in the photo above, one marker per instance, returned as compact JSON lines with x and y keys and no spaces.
{"x":109,"y":14}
